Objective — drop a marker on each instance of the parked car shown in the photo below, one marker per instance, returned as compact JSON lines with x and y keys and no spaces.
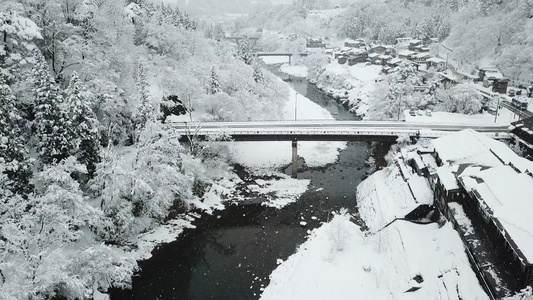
{"x":412,"y":113}
{"x":511,"y":93}
{"x":428,"y":113}
{"x":420,"y":112}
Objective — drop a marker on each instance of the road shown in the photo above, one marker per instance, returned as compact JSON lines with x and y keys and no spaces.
{"x":522,"y":113}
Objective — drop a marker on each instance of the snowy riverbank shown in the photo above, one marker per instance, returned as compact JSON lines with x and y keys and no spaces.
{"x":402,"y":261}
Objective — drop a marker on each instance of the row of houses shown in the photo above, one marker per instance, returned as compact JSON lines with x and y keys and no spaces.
{"x":486,"y":191}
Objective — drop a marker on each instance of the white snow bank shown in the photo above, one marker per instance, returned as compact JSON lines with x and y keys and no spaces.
{"x":298,"y":71}
{"x":339,"y":262}
{"x":271,"y":60}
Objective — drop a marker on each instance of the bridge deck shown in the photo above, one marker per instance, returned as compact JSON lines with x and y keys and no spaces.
{"x":329,"y":130}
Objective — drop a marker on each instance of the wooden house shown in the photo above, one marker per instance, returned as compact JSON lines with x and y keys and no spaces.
{"x":436,"y":63}
{"x":315,"y":43}
{"x":406,"y":54}
{"x":413,"y":44}
{"x":499,"y":85}
{"x":421,"y":57}
{"x":379,"y":49}
{"x":373,"y":57}
{"x":522,"y":135}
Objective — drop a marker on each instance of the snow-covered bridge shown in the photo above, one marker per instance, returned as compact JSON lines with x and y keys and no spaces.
{"x":289,"y":55}
{"x":328,"y":130}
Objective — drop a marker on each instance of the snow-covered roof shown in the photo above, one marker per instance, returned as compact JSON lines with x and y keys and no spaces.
{"x":415,"y":41}
{"x":509,"y":195}
{"x":436,"y":60}
{"x":494,"y":74}
{"x":447,"y":178}
{"x":470,"y":147}
{"x":385,"y":57}
{"x":395,"y":61}
{"x":373,"y":55}
{"x":407,"y":53}
{"x":422,"y":55}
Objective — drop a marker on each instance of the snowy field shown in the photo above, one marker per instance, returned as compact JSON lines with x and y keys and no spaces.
{"x":339,"y":261}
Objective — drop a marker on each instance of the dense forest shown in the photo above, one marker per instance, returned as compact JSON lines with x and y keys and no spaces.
{"x":86,"y":159}
{"x":476,"y":32}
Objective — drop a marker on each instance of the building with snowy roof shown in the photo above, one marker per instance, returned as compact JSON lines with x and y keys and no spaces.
{"x":522,"y":135}
{"x":494,"y":187}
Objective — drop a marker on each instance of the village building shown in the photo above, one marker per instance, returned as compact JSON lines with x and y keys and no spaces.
{"x":406,"y":54}
{"x":379,"y":49}
{"x":374,"y":58}
{"x":436,"y":63}
{"x":493,"y":77}
{"x":315,"y":43}
{"x":413,"y":44}
{"x":421,"y":57}
{"x":486,"y":191}
{"x":402,"y":43}
{"x":522,"y":135}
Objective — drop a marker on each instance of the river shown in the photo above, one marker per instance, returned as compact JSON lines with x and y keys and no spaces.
{"x":230,"y":254}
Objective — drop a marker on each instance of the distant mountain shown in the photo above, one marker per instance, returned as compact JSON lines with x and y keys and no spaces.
{"x":219,"y":7}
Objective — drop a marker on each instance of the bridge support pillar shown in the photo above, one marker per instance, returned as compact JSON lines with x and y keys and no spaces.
{"x":294,"y":158}
{"x":290,"y":60}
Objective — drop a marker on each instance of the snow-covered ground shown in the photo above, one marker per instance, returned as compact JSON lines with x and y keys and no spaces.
{"x":298,"y":70}
{"x":505,"y":116}
{"x":339,"y":261}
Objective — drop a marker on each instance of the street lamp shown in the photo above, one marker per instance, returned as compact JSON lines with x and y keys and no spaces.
{"x":295,"y":106}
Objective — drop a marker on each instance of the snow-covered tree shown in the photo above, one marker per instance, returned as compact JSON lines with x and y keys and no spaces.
{"x":258,"y":72}
{"x":52,"y":126}
{"x":34,"y":232}
{"x":461,"y":99}
{"x":13,"y":150}
{"x":218,"y":32}
{"x":84,"y":125}
{"x":145,"y":110}
{"x":245,"y":50}
{"x":215,"y":83}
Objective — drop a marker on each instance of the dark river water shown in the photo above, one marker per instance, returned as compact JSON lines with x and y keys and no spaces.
{"x":231,"y":253}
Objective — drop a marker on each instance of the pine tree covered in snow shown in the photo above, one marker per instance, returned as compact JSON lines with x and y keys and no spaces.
{"x":145,"y":111}
{"x":245,"y":50}
{"x":13,"y":150}
{"x":258,"y":72}
{"x":84,"y":125}
{"x":215,"y":83}
{"x":52,"y":126}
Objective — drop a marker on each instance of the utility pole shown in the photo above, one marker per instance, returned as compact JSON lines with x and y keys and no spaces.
{"x":399,"y":106}
{"x":190,"y":107}
{"x":497,"y":110}
{"x":296,"y":106}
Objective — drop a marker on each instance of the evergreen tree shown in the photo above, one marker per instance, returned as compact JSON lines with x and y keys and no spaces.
{"x":258,"y":73}
{"x":51,"y":125}
{"x":84,"y":124}
{"x":215,"y":83}
{"x":218,"y":32}
{"x":245,"y":50}
{"x":145,"y":111}
{"x":13,"y":151}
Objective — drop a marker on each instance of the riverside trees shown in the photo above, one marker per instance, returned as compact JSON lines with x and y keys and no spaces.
{"x":96,"y":86}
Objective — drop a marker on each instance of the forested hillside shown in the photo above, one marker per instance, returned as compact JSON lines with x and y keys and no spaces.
{"x":85,"y":161}
{"x":478,"y":32}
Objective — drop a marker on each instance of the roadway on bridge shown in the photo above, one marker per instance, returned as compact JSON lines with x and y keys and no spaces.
{"x":521,"y":113}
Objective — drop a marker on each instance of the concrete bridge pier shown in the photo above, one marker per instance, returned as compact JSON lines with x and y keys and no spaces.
{"x":294,"y":158}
